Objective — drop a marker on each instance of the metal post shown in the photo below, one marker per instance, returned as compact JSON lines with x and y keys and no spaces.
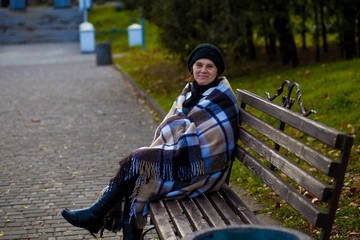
{"x":85,"y":11}
{"x":142,"y":22}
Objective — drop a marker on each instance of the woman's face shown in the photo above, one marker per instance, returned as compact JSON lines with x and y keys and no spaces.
{"x":204,"y":71}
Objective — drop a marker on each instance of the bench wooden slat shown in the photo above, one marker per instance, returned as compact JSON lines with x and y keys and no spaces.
{"x":311,"y":212}
{"x":228,"y":215}
{"x":193,"y":214}
{"x":300,"y":149}
{"x":241,"y":209}
{"x":311,"y":127}
{"x":209,"y":212}
{"x":319,"y":189}
{"x":161,"y":221}
{"x":177,"y":217}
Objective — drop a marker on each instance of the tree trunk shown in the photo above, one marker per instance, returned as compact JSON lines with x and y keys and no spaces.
{"x":358,"y":27}
{"x":341,"y":37}
{"x":270,"y":38}
{"x":317,"y":55}
{"x":265,"y":30}
{"x":323,"y":26}
{"x":350,"y":15}
{"x":287,"y":43}
{"x":349,"y":44}
{"x":249,"y":40}
{"x":358,"y":33}
{"x":266,"y":38}
{"x":272,"y":44}
{"x":303,"y":24}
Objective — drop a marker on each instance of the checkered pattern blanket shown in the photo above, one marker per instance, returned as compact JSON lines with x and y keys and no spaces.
{"x":187,"y":152}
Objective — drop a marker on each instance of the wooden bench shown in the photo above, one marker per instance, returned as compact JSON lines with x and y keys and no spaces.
{"x":259,"y":150}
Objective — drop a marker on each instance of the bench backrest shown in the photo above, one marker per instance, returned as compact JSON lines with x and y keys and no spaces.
{"x":305,"y":167}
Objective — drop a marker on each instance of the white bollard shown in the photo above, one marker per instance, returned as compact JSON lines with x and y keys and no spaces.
{"x":87,"y":37}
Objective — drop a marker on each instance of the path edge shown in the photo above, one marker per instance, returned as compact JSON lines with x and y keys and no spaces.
{"x":150,"y":101}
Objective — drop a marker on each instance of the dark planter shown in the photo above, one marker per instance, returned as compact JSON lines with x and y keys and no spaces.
{"x":248,"y":232}
{"x":103,"y":54}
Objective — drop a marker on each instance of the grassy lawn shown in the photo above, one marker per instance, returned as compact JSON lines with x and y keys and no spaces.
{"x":331,"y":88}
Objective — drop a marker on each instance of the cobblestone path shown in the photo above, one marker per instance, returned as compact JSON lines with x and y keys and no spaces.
{"x":64,"y":125}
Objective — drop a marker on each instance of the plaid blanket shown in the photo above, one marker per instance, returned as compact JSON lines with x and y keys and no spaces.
{"x":187,"y":150}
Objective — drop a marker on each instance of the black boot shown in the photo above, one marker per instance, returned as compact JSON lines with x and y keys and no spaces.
{"x":130,"y":232}
{"x":92,"y":218}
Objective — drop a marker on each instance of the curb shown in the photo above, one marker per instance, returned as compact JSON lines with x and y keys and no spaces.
{"x":150,"y":101}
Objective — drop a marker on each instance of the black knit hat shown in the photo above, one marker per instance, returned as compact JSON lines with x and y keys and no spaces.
{"x":208,"y":51}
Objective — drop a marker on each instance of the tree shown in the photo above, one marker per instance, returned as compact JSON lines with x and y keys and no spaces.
{"x":282,"y":25}
{"x":316,"y":37}
{"x":323,"y":26}
{"x":358,"y":26}
{"x":303,"y":22}
{"x":232,"y":25}
{"x":267,"y":29}
{"x":348,"y":15}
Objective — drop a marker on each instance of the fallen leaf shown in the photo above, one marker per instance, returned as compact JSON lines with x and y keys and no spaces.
{"x":282,"y":175}
{"x":2,"y":233}
{"x":35,"y":120}
{"x":315,"y":201}
{"x":307,"y":194}
{"x":357,"y":179}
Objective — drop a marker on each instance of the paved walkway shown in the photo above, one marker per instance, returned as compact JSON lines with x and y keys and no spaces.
{"x":64,"y":124}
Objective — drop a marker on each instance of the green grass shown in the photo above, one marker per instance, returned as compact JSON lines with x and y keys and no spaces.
{"x":331,"y":88}
{"x":111,"y":26}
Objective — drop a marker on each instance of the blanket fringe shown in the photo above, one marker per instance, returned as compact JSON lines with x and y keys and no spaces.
{"x":137,"y":167}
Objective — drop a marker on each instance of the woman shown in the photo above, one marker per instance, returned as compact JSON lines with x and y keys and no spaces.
{"x":190,"y":154}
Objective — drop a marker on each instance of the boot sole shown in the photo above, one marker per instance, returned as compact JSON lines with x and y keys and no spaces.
{"x":74,"y":223}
